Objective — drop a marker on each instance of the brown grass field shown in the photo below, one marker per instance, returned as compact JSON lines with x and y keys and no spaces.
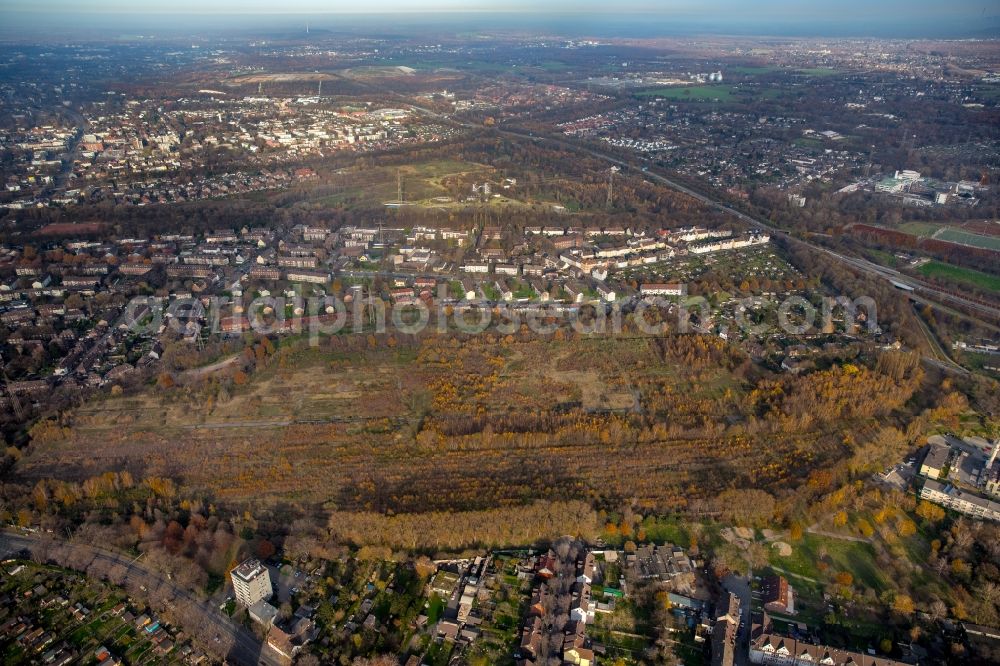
{"x":443,"y":425}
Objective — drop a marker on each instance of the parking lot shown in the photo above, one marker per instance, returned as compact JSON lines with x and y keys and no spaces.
{"x":287,"y":581}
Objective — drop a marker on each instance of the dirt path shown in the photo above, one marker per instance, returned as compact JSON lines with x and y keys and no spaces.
{"x":198,"y":373}
{"x":795,"y":575}
{"x":833,"y":535}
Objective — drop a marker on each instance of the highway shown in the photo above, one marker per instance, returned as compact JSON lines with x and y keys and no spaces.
{"x":236,"y":645}
{"x":923,"y":292}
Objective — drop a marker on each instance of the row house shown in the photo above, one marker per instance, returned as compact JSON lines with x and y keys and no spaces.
{"x":79,"y":281}
{"x":206,"y":260}
{"x":188,"y":271}
{"x":304,"y":275}
{"x":296,"y":262}
{"x":313,"y":234}
{"x":135,"y":269}
{"x":259,"y":272}
{"x":663,"y":289}
{"x":772,"y":649}
{"x":221,"y":236}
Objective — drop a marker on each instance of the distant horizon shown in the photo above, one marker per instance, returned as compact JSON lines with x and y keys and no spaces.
{"x":73,"y":23}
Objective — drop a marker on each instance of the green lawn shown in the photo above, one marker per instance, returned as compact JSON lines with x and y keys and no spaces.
{"x":753,"y":69}
{"x":989,"y":93}
{"x":959,"y":275}
{"x":965,"y":238}
{"x":435,"y":608}
{"x":919,"y":228}
{"x":857,"y":558}
{"x":881,"y":257}
{"x":819,"y":71}
{"x":694,"y":93}
{"x":808,"y":142}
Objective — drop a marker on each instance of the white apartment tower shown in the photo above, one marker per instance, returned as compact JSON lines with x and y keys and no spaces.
{"x":251,"y":582}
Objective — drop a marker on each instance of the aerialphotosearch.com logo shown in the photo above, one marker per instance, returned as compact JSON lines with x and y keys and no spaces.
{"x":330,"y":315}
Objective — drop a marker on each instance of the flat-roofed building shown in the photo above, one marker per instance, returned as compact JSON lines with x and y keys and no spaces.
{"x":935,"y":461}
{"x":662,"y":289}
{"x":304,"y":275}
{"x":960,"y":500}
{"x":296,"y":262}
{"x":251,"y":582}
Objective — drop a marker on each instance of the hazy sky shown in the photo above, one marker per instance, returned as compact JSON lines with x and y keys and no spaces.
{"x":819,"y":16}
{"x":861,"y":10}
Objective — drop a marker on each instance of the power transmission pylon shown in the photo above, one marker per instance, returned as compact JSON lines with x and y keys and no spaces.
{"x":611,"y":185}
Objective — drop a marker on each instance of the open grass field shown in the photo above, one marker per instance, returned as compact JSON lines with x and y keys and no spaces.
{"x":443,"y":425}
{"x":854,"y":557}
{"x":422,"y":183}
{"x":961,"y":276}
{"x":722,"y":93}
{"x":966,"y":238}
{"x":751,"y":70}
{"x":819,"y":71}
{"x":988,"y":92}
{"x":439,"y":184}
{"x":922,"y":229}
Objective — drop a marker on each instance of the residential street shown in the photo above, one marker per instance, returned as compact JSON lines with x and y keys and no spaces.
{"x":234,"y":643}
{"x":740,"y":586}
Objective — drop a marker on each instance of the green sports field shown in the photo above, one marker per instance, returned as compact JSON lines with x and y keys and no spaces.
{"x":959,"y":275}
{"x":965,"y":238}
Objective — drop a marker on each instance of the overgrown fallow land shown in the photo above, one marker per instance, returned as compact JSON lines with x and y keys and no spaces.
{"x":402,"y":425}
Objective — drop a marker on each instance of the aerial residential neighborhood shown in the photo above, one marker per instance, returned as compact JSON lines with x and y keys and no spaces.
{"x":497,"y":334}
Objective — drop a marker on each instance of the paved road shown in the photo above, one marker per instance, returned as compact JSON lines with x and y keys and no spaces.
{"x":245,"y":650}
{"x":863,"y":265}
{"x":740,"y":586}
{"x":935,"y":346}
{"x":923,"y":293}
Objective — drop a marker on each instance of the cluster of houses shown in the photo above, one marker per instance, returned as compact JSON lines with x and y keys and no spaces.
{"x":611,"y":253}
{"x":251,"y":581}
{"x":461,"y":585}
{"x":63,"y":300}
{"x":133,"y":155}
{"x":580,"y":261}
{"x":773,"y":649}
{"x":34,"y":639}
{"x":47,"y":645}
{"x":541,"y":638}
{"x":39,"y":148}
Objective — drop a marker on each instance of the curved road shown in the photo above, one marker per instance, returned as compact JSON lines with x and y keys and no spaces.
{"x":923,"y":292}
{"x":862,"y":265}
{"x":246,"y":649}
